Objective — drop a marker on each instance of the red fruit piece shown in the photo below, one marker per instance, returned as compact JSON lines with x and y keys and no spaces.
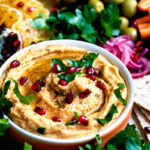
{"x":138,"y":43}
{"x":90,"y":70}
{"x":78,"y":69}
{"x":23,"y":80}
{"x":56,"y":68}
{"x":54,"y":9}
{"x":40,"y":82}
{"x":20,"y":4}
{"x":100,"y":85}
{"x":62,"y":82}
{"x":36,"y":87}
{"x":85,"y":93}
{"x":16,"y":43}
{"x":4,"y":51}
{"x":56,"y":119}
{"x":97,"y":72}
{"x":147,"y":130}
{"x":12,"y":35}
{"x":84,"y":120}
{"x":14,"y":64}
{"x":90,"y":76}
{"x":40,"y":111}
{"x":30,"y":9}
{"x":69,"y":98}
{"x":70,"y":70}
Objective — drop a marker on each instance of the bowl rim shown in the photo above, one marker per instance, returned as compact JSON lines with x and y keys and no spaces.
{"x":91,"y":47}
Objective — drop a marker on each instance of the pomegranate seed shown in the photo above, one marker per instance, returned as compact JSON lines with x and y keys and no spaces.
{"x":36,"y":87}
{"x":136,"y":56}
{"x":4,"y":51}
{"x":23,"y":80}
{"x":16,"y":43}
{"x":62,"y":82}
{"x":40,"y":111}
{"x":30,"y":9}
{"x":140,"y":48}
{"x":138,"y":43}
{"x":101,"y":85}
{"x":101,"y":43}
{"x":12,"y":35}
{"x":70,"y":70}
{"x":56,"y":68}
{"x":90,"y":70}
{"x":84,"y":120}
{"x":6,"y":56}
{"x":78,"y":69}
{"x":40,"y":82}
{"x":14,"y":64}
{"x":74,"y":118}
{"x":97,"y":72}
{"x":20,"y":4}
{"x":54,"y":9}
{"x":147,"y":130}
{"x":69,"y":98}
{"x":2,"y":28}
{"x":90,"y":76}
{"x":134,"y":24}
{"x":56,"y":119}
{"x":85,"y":93}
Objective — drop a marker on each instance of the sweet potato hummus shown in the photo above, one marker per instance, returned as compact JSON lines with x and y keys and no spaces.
{"x":69,"y":96}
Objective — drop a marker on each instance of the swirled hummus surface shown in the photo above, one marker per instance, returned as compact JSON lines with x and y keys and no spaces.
{"x":49,"y":108}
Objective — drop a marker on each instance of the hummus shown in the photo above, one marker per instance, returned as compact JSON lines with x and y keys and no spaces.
{"x":35,"y":64}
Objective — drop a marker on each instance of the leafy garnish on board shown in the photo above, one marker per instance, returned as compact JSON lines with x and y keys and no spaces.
{"x":81,"y":23}
{"x":27,"y":146}
{"x":23,"y":99}
{"x":118,"y":93}
{"x":109,"y":116}
{"x":4,"y":125}
{"x":73,"y":122}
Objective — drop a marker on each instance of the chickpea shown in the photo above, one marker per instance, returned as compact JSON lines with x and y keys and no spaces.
{"x":124,"y":22}
{"x":98,"y":5}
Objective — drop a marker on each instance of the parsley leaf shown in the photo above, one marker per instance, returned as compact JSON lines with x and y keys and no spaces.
{"x":4,"y":125}
{"x":23,"y":99}
{"x":109,"y":22}
{"x":6,"y":87}
{"x":76,"y":63}
{"x":109,"y":116}
{"x":146,"y":146}
{"x":41,"y":130}
{"x":60,"y":63}
{"x":73,"y":122}
{"x":118,"y":93}
{"x":27,"y":146}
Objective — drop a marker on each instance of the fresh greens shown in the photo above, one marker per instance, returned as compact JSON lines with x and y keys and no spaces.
{"x":73,"y":122}
{"x":4,"y":125}
{"x":109,"y":116}
{"x":81,"y":23}
{"x":109,"y":22}
{"x":23,"y":99}
{"x":90,"y":147}
{"x":41,"y":130}
{"x":27,"y":146}
{"x":118,"y":93}
{"x":60,"y":63}
{"x":128,"y":139}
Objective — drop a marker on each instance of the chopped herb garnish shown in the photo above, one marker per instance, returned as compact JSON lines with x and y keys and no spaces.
{"x":27,"y":146}
{"x":118,"y":93}
{"x":60,"y":63}
{"x":41,"y":130}
{"x":73,"y":122}
{"x":76,"y":63}
{"x":6,"y":87}
{"x":4,"y":125}
{"x":23,"y":99}
{"x":109,"y":116}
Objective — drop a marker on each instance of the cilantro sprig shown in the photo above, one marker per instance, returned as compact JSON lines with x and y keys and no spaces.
{"x":27,"y":146}
{"x":118,"y":93}
{"x":41,"y":130}
{"x":81,"y":23}
{"x":109,"y":116}
{"x":23,"y":99}
{"x":73,"y":122}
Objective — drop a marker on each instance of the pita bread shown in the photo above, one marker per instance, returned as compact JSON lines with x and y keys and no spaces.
{"x":142,"y":120}
{"x":146,"y":113}
{"x":142,"y":92}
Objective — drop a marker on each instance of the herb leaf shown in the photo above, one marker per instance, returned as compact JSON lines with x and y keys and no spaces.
{"x":6,"y":87}
{"x":23,"y":99}
{"x":60,"y":63}
{"x":4,"y":125}
{"x":73,"y":122}
{"x":118,"y":93}
{"x":41,"y":130}
{"x":27,"y":146}
{"x":109,"y":116}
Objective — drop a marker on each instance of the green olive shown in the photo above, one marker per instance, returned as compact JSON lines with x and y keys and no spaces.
{"x":116,"y":1}
{"x":98,"y":5}
{"x":130,"y":31}
{"x":124,"y":22}
{"x":129,"y":8}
